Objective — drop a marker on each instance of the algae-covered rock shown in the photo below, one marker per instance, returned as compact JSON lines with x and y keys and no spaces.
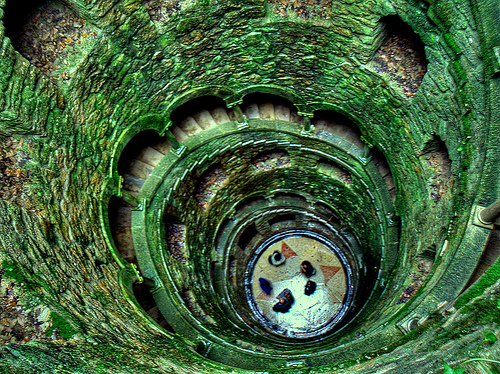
{"x":93,"y":90}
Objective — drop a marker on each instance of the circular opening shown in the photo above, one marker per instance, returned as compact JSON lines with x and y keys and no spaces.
{"x":298,"y":284}
{"x":219,"y":206}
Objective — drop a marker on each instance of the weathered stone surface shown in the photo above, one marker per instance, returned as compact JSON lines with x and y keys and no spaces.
{"x":136,"y":65}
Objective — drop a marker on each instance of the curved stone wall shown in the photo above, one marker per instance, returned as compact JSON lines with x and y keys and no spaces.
{"x":109,"y":157}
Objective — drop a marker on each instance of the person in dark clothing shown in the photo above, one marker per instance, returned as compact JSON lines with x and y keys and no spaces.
{"x":285,"y":301}
{"x":310,"y":288}
{"x":265,"y":285}
{"x":307,"y":269}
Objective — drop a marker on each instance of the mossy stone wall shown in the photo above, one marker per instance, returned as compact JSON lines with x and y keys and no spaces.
{"x":137,"y":68}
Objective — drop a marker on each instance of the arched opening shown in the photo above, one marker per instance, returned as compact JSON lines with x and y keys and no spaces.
{"x":402,"y":55}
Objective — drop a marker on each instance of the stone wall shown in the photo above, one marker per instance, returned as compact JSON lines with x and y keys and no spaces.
{"x":70,"y":122}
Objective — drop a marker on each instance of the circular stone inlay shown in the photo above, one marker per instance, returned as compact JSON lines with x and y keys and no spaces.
{"x":308,"y":315}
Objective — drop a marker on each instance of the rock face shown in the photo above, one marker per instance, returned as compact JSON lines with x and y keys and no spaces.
{"x":383,"y":111}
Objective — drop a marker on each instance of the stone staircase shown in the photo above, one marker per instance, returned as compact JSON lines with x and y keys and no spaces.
{"x":150,"y":155}
{"x":144,"y":155}
{"x":145,"y":160}
{"x":352,"y":135}
{"x":269,"y":110}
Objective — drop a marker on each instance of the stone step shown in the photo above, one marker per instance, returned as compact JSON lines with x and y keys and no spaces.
{"x":392,"y":194}
{"x":178,"y":134}
{"x":282,"y":112}
{"x":232,"y":115}
{"x":266,"y":110}
{"x":341,"y":130}
{"x":150,"y":156}
{"x":163,"y":147}
{"x":263,"y":227}
{"x":389,"y":182}
{"x":383,"y":169}
{"x":220,"y":115}
{"x":204,"y":119}
{"x":295,"y":118}
{"x":189,"y":126}
{"x":323,"y":124}
{"x":353,"y":137}
{"x":124,"y":242}
{"x":252,"y":111}
{"x":140,"y":169}
{"x":132,"y":184}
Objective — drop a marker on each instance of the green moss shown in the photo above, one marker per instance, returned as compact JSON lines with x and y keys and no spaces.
{"x":65,"y":330}
{"x":451,"y":43}
{"x":484,"y":310}
{"x":13,"y":271}
{"x":480,"y":313}
{"x":313,"y":61}
{"x":489,"y":278}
